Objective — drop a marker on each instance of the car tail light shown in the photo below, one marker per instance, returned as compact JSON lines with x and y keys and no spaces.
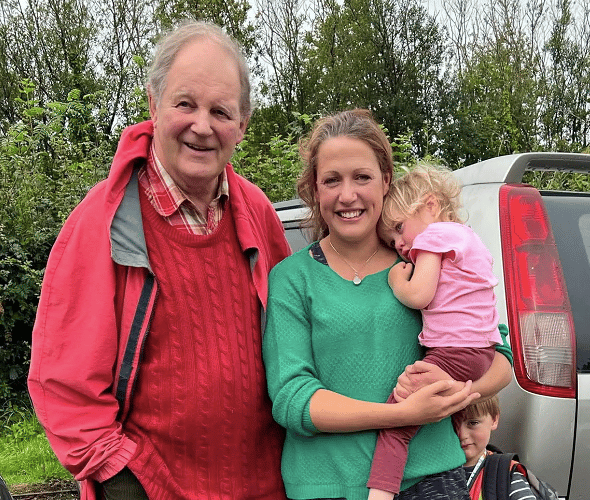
{"x":541,"y":325}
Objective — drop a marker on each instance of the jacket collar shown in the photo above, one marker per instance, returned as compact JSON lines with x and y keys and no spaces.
{"x":128,"y":245}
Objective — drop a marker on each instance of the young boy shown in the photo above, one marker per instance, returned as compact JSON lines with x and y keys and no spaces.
{"x":474,"y":426}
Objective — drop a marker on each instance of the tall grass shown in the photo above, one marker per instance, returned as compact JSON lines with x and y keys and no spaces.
{"x":25,"y":454}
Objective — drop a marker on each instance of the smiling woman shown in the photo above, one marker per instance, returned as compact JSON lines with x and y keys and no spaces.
{"x":336,"y":338}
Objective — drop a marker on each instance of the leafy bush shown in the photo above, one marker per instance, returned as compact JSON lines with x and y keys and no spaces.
{"x":273,"y":165}
{"x":48,"y":161}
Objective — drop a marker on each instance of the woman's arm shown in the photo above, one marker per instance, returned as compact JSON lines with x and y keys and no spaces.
{"x":332,"y":412}
{"x":302,"y":403}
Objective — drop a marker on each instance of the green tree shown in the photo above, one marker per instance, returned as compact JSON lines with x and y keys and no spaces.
{"x":274,"y":166}
{"x":230,"y":14}
{"x":385,"y":55}
{"x":491,"y":107}
{"x":49,"y":159}
{"x":49,"y":42}
{"x":566,"y":103}
{"x":282,"y":30}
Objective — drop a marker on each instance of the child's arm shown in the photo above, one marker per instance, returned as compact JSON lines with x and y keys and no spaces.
{"x":416,"y":290}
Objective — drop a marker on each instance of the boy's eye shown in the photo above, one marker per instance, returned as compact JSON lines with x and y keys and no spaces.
{"x":398,"y":227}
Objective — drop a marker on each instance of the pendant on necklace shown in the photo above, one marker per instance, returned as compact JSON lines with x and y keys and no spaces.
{"x":356,"y":280}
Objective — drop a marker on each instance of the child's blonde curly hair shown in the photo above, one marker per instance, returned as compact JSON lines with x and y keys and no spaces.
{"x":408,"y":193}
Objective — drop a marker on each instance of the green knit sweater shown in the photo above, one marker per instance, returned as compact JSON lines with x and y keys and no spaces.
{"x":324,"y":332}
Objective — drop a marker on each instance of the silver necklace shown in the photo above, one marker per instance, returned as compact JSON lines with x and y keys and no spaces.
{"x":357,"y":279}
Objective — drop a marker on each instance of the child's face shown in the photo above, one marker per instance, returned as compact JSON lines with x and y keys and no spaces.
{"x":404,"y":230}
{"x":474,"y":434}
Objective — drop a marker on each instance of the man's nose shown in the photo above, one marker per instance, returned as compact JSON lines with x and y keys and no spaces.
{"x":201,"y":123}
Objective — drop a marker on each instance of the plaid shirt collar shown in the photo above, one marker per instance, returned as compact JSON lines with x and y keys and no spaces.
{"x":167,"y":197}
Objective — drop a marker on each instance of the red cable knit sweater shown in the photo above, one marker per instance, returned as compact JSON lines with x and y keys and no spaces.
{"x":201,"y":414}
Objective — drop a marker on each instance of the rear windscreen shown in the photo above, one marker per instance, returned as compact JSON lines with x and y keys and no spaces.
{"x":297,"y":236}
{"x":570,"y":221}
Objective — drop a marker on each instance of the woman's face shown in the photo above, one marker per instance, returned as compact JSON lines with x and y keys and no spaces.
{"x":350,"y":188}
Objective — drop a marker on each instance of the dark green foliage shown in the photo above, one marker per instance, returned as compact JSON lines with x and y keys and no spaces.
{"x":48,"y":161}
{"x":273,"y":165}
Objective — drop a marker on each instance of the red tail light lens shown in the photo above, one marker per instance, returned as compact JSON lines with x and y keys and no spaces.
{"x":540,"y":319}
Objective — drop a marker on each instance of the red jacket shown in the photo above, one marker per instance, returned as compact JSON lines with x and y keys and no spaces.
{"x":96,"y":302}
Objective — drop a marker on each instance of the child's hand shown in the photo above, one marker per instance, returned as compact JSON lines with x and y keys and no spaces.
{"x":399,"y":273}
{"x":416,"y":376}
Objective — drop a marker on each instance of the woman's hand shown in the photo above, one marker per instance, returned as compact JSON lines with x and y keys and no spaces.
{"x":416,"y":376}
{"x":333,"y":412}
{"x":432,"y":403}
{"x":421,"y":374}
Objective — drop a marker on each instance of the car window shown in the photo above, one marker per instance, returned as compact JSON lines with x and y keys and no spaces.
{"x":296,"y":236}
{"x":570,"y":221}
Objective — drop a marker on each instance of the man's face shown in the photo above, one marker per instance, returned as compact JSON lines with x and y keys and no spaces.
{"x":197,"y":122}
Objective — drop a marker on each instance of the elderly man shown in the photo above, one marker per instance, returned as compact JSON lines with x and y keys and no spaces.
{"x":146,"y":368}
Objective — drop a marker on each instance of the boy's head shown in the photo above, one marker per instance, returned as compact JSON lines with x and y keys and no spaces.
{"x":474,"y":425}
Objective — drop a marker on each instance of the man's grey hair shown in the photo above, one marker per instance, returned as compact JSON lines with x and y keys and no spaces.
{"x":188,"y":31}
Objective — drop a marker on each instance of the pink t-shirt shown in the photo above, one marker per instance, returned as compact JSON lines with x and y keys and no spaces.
{"x":463,"y":311}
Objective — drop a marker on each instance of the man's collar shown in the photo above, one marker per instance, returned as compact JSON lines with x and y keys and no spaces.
{"x":177,"y":195}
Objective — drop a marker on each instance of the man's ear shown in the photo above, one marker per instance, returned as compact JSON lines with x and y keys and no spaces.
{"x":152,"y":106}
{"x":242,"y":132}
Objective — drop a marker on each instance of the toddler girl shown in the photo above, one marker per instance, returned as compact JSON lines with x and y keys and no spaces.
{"x":452,"y":284}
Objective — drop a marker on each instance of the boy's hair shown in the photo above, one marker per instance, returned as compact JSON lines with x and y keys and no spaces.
{"x":408,"y":193}
{"x":489,"y":407}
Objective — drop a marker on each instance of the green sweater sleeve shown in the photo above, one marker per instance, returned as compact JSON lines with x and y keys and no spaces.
{"x":287,"y":352}
{"x":504,"y":348}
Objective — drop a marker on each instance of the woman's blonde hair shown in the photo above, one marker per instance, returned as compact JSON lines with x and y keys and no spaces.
{"x":355,"y":123}
{"x":408,"y":193}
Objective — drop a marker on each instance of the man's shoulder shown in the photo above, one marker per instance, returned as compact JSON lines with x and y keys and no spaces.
{"x":249,"y":200}
{"x":92,"y":206}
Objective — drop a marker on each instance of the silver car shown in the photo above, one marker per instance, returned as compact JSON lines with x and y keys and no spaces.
{"x":540,"y":242}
